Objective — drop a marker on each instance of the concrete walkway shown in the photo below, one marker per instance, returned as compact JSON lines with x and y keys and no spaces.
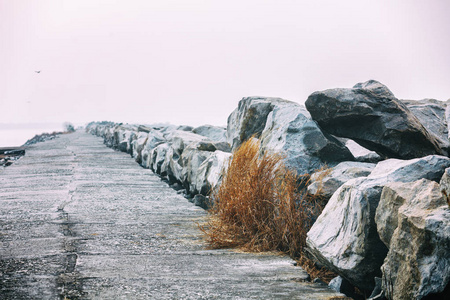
{"x":81,"y":221}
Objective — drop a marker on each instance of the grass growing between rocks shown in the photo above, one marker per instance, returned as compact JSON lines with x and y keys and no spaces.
{"x":259,"y":206}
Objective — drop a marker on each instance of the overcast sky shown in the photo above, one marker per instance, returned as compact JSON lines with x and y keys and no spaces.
{"x":191,"y":61}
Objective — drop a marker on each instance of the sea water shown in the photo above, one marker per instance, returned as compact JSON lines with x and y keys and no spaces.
{"x":16,"y":135}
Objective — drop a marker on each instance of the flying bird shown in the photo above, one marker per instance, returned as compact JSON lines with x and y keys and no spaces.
{"x":38,"y":71}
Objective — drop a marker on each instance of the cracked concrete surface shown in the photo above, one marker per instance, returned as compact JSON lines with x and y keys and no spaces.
{"x":81,"y":221}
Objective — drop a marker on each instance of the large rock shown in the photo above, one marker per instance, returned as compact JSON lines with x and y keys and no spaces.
{"x":285,"y":127}
{"x":431,"y":113}
{"x":344,"y":237}
{"x":124,"y":134}
{"x":190,"y":161}
{"x":324,"y":183}
{"x":249,"y":118}
{"x":291,"y":131}
{"x":445,"y":185}
{"x":370,"y":115}
{"x":214,"y":133}
{"x":413,"y":221}
{"x":154,"y":138}
{"x":178,"y":141}
{"x":210,"y":172}
{"x":138,"y":145}
{"x":157,"y":158}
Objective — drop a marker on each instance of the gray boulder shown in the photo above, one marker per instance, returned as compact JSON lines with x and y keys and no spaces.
{"x":285,"y":127}
{"x":290,"y":131}
{"x":445,"y":185}
{"x":195,"y":148}
{"x":431,"y":113}
{"x":124,"y":136}
{"x":249,"y":119}
{"x":201,"y":201}
{"x":344,"y":238}
{"x":154,"y":138}
{"x":370,"y":115}
{"x":185,"y":128}
{"x":180,"y":139}
{"x":210,"y":172}
{"x":214,"y":133}
{"x":324,"y":183}
{"x":157,"y":158}
{"x":190,"y":161}
{"x":138,"y":145}
{"x":413,"y":221}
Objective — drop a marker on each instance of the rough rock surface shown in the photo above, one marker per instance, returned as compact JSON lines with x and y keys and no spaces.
{"x":344,"y":237}
{"x":124,"y":136}
{"x":190,"y":161}
{"x":413,"y":221}
{"x":431,"y":113}
{"x":249,"y":119}
{"x":138,"y":146}
{"x":287,"y":128}
{"x":445,"y":185}
{"x":214,"y":133}
{"x":210,"y":172}
{"x":326,"y":182}
{"x":370,"y":115}
{"x":154,"y":138}
{"x":291,"y":131}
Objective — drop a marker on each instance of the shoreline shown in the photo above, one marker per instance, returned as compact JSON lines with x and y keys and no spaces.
{"x":8,"y":155}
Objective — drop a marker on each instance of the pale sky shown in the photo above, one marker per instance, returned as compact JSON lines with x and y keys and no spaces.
{"x":191,"y":61}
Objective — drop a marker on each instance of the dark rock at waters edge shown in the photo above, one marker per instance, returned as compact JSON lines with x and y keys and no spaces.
{"x":8,"y":155}
{"x":38,"y":138}
{"x":370,"y":114}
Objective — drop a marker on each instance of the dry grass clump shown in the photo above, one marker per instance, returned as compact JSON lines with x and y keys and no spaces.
{"x":259,"y":206}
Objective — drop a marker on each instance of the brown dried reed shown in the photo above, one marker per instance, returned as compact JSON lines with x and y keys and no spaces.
{"x":259,"y":206}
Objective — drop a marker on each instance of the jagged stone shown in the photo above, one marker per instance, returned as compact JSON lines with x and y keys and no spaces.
{"x":344,"y":237}
{"x":413,"y":220}
{"x":445,"y":185}
{"x":210,"y":172}
{"x":431,"y":113}
{"x":214,"y":133}
{"x":249,"y":119}
{"x":285,"y":127}
{"x":326,"y":182}
{"x":138,"y":146}
{"x":370,"y":115}
{"x":154,"y":138}
{"x":291,"y":131}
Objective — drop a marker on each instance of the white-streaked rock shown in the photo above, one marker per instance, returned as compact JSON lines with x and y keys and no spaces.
{"x":344,"y":237}
{"x":326,"y":182}
{"x":413,"y":220}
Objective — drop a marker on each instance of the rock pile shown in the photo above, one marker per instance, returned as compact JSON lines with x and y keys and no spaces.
{"x":386,"y":227}
{"x":39,"y":138}
{"x":10,"y":155}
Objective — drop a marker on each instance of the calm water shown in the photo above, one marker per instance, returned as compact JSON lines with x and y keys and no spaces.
{"x":10,"y":136}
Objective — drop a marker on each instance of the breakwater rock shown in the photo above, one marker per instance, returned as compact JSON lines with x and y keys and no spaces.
{"x":385,"y":228}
